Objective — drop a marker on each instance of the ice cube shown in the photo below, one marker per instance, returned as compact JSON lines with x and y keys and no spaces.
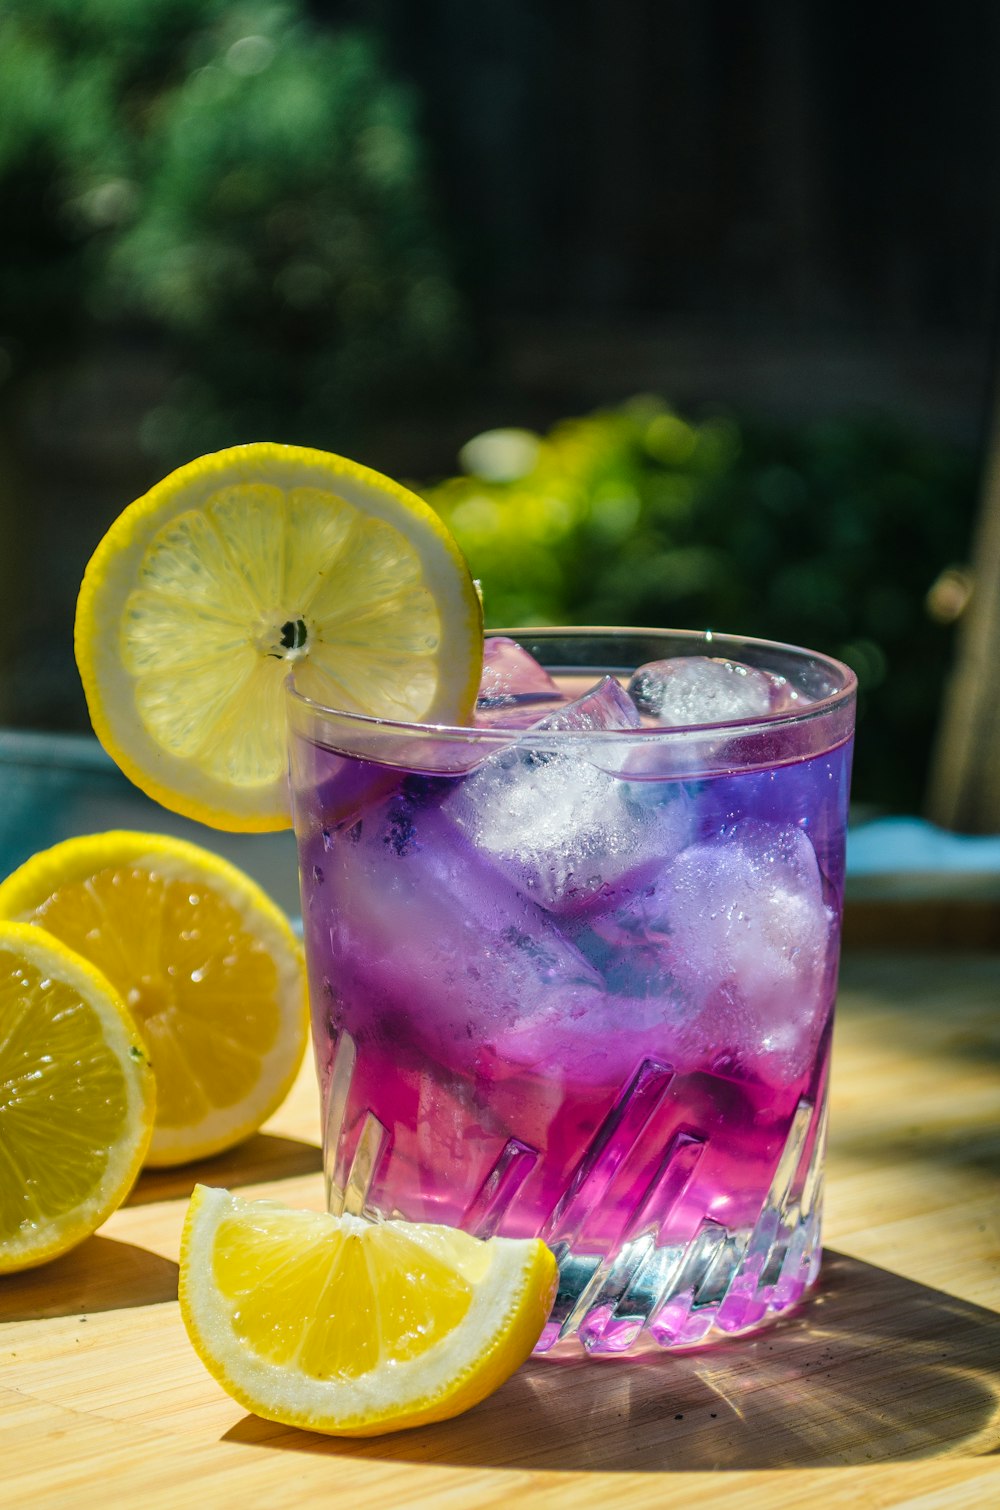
{"x":605,"y":706}
{"x":625,"y":934}
{"x":429,"y":941}
{"x":597,"y":1041}
{"x":697,"y":689}
{"x":509,"y":671}
{"x":514,"y":689}
{"x":559,"y":827}
{"x":752,"y":944}
{"x":546,"y":822}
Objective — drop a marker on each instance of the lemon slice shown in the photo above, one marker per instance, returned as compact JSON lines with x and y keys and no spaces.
{"x":76,"y":1098}
{"x":207,"y":590}
{"x":352,"y":1327}
{"x":207,"y":965}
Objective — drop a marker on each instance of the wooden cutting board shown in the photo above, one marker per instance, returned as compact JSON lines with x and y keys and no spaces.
{"x":883,"y":1391}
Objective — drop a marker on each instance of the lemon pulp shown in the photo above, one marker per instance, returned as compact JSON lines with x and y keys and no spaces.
{"x":76,"y":1098}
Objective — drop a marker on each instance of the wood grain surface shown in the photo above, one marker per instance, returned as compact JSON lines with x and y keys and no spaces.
{"x":884,"y":1390}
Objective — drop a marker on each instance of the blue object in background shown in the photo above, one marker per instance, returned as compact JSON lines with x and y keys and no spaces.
{"x":894,"y":846}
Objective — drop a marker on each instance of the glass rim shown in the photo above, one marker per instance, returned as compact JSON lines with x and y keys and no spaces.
{"x":706,"y":638}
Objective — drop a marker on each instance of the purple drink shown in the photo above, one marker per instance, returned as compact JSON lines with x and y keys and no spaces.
{"x":573,"y":971}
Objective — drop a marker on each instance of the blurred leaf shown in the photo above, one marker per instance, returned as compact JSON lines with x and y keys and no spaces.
{"x":827,"y":535}
{"x":243,"y":183}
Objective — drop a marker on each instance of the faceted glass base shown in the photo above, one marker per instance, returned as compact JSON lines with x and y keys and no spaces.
{"x":723,"y":1284}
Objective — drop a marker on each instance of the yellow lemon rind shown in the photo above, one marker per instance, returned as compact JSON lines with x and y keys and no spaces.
{"x":495,"y":1337}
{"x":178,"y":784}
{"x":46,"y":953}
{"x":74,"y":860}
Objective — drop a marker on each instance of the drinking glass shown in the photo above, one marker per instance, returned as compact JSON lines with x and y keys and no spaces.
{"x":574,"y":978}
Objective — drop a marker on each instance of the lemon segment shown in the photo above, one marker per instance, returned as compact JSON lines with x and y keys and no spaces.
{"x":206,"y":591}
{"x":76,"y":1098}
{"x":207,"y":965}
{"x":351,"y":1327}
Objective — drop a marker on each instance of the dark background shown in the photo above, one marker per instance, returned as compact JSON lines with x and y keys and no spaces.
{"x":780,"y":213}
{"x":789,"y":207}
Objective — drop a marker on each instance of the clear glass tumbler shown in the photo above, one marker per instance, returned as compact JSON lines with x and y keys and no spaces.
{"x":576,"y":979}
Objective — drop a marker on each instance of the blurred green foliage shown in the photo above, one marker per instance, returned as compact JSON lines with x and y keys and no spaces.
{"x":827,"y":535}
{"x":242,"y":185}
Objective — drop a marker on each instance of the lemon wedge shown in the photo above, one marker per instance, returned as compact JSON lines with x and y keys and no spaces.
{"x":76,"y":1098}
{"x":208,"y":589}
{"x":205,"y":962}
{"x":351,"y":1327}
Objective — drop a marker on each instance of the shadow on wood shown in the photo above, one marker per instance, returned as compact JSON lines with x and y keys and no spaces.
{"x":102,"y":1274}
{"x":261,"y":1158}
{"x":874,"y":1369}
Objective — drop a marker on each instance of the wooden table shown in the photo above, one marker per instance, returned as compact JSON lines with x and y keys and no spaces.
{"x":883,"y":1391}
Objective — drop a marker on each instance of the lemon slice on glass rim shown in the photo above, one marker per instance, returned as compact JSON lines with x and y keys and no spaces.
{"x":76,"y":1098}
{"x":205,"y":962}
{"x":351,"y":1327}
{"x":208,"y":589}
